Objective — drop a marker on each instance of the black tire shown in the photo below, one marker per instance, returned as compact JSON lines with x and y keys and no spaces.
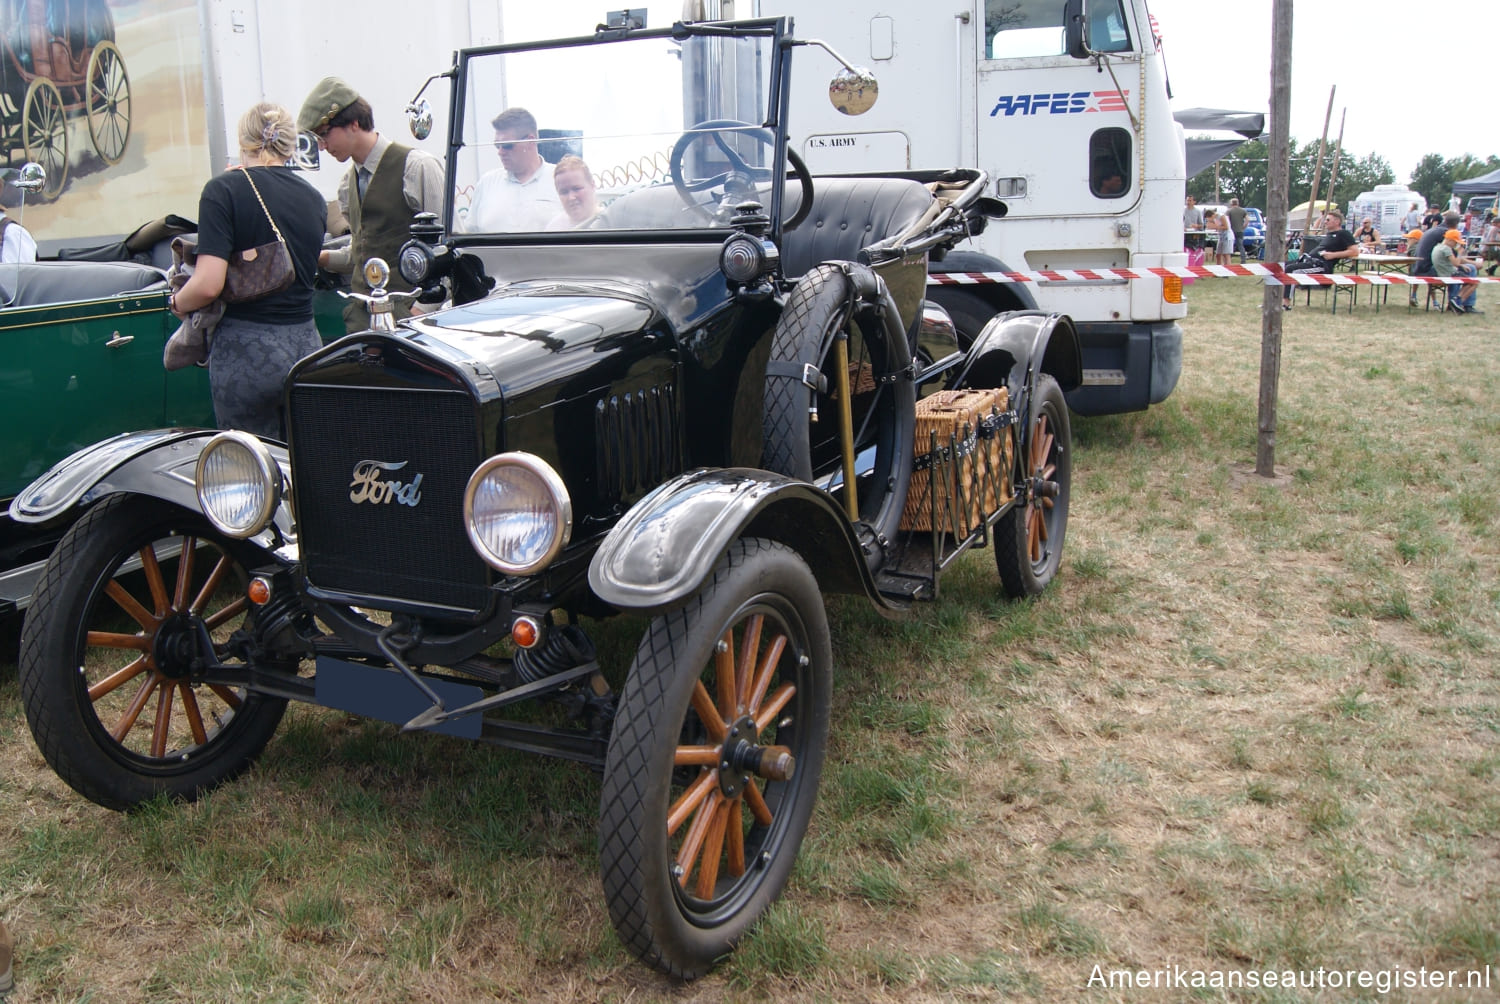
{"x":102,"y":642}
{"x":1029,"y":537}
{"x":883,"y":410}
{"x":663,"y":761}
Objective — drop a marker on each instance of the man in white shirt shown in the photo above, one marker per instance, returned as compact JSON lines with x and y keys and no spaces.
{"x":519,"y":195}
{"x":16,"y":242}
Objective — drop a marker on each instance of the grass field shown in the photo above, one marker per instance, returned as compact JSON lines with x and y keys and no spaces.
{"x":1254,"y":725}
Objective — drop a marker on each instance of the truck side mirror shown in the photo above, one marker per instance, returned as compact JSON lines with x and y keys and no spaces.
{"x":1075,"y":26}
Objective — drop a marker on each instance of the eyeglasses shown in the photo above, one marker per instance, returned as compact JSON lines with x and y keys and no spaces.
{"x":507,"y":145}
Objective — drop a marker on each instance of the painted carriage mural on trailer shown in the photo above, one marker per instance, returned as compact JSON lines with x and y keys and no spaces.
{"x":60,"y":62}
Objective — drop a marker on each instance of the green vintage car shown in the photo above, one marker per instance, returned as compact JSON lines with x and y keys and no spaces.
{"x":80,"y":361}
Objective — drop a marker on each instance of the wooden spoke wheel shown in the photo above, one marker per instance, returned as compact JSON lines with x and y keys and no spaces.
{"x":135,"y":594}
{"x":1029,"y":537}
{"x":44,"y":133}
{"x":108,"y":103}
{"x":714,"y":759}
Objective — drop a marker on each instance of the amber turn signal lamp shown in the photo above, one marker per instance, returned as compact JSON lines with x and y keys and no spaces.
{"x":1171,"y":289}
{"x":259,"y":591}
{"x":525,"y":632}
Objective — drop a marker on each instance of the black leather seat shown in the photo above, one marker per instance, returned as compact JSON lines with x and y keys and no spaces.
{"x":38,"y":283}
{"x":849,"y":214}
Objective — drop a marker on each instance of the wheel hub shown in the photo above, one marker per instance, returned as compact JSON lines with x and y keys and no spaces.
{"x":742,"y":757}
{"x":175,"y":646}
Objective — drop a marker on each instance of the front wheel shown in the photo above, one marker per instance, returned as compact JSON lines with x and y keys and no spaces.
{"x":714,"y":759}
{"x":44,"y":133}
{"x":1029,"y":537}
{"x":106,"y":650}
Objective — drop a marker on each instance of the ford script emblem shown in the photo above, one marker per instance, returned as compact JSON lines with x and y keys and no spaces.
{"x":368,"y":487}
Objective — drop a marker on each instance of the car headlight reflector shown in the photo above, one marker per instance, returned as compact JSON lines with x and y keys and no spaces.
{"x":239,"y":484}
{"x":517,"y":513}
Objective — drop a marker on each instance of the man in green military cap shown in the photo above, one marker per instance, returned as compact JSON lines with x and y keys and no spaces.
{"x":388,"y":184}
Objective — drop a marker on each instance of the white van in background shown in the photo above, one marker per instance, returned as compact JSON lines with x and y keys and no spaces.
{"x":1386,"y":206}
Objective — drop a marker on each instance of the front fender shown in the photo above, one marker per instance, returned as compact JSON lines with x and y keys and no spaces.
{"x":669,"y":542}
{"x":159,"y":462}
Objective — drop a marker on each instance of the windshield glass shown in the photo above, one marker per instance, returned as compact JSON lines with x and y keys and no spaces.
{"x":642,"y":133}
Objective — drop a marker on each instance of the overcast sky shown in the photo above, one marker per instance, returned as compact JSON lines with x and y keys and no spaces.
{"x":1219,"y":56}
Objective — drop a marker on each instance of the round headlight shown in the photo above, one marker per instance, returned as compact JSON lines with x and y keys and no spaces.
{"x":517,"y":513}
{"x":745,"y":258}
{"x":239,"y":484}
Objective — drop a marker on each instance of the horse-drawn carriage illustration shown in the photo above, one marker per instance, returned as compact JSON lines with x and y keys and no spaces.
{"x":58,"y":60}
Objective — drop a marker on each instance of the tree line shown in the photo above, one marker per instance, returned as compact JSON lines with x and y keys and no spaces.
{"x":1243,"y":174}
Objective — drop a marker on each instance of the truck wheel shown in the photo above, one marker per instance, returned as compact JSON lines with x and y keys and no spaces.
{"x":1029,"y":537}
{"x":714,"y":759}
{"x":884,"y":410}
{"x":970,"y":311}
{"x":105,"y":651}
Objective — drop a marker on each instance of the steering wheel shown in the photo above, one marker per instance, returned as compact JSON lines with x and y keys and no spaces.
{"x":742,"y":177}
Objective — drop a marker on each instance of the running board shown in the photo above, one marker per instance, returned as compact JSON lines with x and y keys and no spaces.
{"x":17,"y":586}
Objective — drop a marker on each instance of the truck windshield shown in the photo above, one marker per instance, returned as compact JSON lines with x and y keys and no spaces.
{"x":639,"y":133}
{"x":1019,"y":28}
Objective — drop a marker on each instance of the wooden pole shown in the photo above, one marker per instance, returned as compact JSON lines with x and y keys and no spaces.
{"x":1333,"y":177}
{"x":1278,"y":182}
{"x":1312,"y":199}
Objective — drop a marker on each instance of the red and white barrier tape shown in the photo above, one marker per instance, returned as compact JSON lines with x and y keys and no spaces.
{"x":1274,"y":275}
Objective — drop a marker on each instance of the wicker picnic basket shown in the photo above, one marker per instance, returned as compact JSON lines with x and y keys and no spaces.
{"x":962,"y":468}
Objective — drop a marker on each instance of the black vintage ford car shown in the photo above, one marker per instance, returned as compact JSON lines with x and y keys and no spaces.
{"x":693,"y":395}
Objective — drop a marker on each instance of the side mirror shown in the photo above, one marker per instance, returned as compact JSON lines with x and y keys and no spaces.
{"x":33,"y":178}
{"x":1076,"y":29}
{"x":853,"y":90}
{"x":419,"y":118}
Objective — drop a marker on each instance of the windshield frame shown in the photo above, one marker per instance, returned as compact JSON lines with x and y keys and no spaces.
{"x":777,"y":29}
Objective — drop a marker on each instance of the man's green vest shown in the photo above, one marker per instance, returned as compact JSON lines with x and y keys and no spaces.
{"x":380,"y":223}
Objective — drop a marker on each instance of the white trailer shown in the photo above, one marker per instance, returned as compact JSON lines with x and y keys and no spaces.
{"x":195,"y":66}
{"x":1083,"y":151}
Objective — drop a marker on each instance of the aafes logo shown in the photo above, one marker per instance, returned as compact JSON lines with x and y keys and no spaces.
{"x":1061,"y":103}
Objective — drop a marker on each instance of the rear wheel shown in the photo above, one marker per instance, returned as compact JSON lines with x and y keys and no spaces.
{"x":1029,"y":537}
{"x":714,"y":759}
{"x":106,"y":652}
{"x":108,"y":103}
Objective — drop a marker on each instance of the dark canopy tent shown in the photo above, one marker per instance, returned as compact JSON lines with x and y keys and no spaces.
{"x":1485,"y":184}
{"x":1202,"y":153}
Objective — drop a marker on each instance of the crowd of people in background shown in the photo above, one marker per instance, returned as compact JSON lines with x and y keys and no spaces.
{"x":1435,"y":239}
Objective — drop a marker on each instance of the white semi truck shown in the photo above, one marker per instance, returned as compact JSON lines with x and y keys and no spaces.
{"x":1082,"y":148}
